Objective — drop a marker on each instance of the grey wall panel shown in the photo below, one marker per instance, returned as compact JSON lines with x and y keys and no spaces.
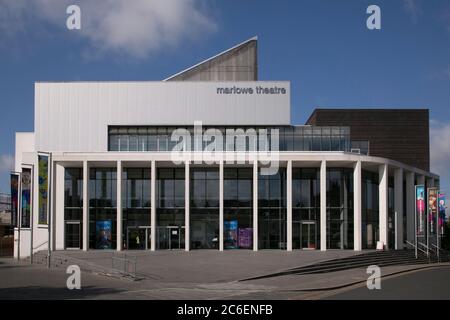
{"x":74,"y":116}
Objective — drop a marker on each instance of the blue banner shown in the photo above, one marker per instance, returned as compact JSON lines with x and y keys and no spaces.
{"x":230,"y":238}
{"x":103,"y":234}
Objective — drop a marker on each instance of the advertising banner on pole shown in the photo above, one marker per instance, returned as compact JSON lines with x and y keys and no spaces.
{"x":14,"y":198}
{"x":441,"y":208}
{"x":26,"y":198}
{"x":432,"y":210}
{"x":420,"y":210}
{"x":43,"y":162}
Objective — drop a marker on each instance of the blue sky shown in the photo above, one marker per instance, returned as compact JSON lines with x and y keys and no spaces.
{"x":322,"y":46}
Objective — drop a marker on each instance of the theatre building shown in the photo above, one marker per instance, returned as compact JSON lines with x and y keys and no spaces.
{"x":209,"y":159}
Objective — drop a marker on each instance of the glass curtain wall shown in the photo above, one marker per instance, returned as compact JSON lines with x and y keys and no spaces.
{"x":170,"y":214}
{"x":339,"y":208}
{"x":272,"y":210}
{"x":102,"y":208}
{"x":238,"y":208}
{"x":305,"y":208}
{"x":73,"y":208}
{"x":204,"y":208}
{"x":291,"y":138}
{"x":370,"y":209}
{"x":136,"y":208}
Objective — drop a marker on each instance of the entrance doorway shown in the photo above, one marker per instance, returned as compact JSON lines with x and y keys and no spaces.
{"x":170,"y":237}
{"x":139,"y":238}
{"x":308,"y":235}
{"x":73,"y":235}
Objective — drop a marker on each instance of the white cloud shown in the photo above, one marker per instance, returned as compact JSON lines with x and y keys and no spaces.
{"x":440,"y":151}
{"x":6,"y":163}
{"x":136,"y":28}
{"x":413,"y":9}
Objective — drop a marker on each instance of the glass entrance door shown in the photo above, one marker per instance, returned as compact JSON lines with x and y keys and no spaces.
{"x":308,"y":235}
{"x":73,"y":235}
{"x":138,"y":238}
{"x":170,"y":238}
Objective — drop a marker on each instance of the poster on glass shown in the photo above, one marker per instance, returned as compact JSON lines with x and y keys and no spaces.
{"x":231,"y":234}
{"x":245,"y":238}
{"x":103,"y":234}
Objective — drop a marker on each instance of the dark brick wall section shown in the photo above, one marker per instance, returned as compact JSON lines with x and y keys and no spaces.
{"x":398,"y":134}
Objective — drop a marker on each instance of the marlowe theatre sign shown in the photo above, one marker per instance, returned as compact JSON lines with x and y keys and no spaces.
{"x":263,"y":90}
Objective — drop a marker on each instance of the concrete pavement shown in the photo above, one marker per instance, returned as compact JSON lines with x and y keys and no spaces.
{"x":194,"y":275}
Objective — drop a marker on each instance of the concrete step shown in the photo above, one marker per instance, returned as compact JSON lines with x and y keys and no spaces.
{"x":381,"y":259}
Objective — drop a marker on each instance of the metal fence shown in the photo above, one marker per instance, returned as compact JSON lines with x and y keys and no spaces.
{"x":124,"y":264}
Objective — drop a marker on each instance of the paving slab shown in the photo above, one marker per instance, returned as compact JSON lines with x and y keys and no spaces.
{"x":210,"y":266}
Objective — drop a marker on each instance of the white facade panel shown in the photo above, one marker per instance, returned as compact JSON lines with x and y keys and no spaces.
{"x":74,"y":116}
{"x":24,"y":144}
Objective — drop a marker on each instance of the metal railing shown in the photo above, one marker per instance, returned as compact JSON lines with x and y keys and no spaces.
{"x":124,"y":264}
{"x":416,"y":247}
{"x":438,"y":251}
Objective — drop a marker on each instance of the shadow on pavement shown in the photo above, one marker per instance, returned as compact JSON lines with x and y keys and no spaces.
{"x":44,"y":293}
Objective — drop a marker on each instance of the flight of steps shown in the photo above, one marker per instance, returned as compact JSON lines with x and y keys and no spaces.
{"x":379,"y":258}
{"x":56,"y":260}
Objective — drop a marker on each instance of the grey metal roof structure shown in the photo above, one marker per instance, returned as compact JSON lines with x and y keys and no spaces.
{"x":238,"y":63}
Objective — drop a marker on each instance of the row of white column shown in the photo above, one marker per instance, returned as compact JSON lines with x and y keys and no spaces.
{"x":357,"y":205}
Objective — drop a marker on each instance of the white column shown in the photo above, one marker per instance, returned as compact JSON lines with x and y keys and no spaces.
{"x":119,"y":206}
{"x":323,"y":205}
{"x":187,"y":236}
{"x":52,"y":207}
{"x":398,"y":194}
{"x":289,"y":205}
{"x":357,"y":205}
{"x":85,"y":205}
{"x":255,"y":205}
{"x":410,"y":207}
{"x":383,"y":203}
{"x":153,"y":205}
{"x":221,"y":205}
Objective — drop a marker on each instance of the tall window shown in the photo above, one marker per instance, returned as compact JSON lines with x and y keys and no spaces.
{"x":102,"y":208}
{"x":272,"y":210}
{"x":238,"y":208}
{"x":339,"y":208}
{"x":391,"y":213}
{"x":370,"y":209}
{"x":73,"y":207}
{"x":170,"y":208}
{"x":204,"y":210}
{"x":305,"y":208}
{"x":136,"y":204}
